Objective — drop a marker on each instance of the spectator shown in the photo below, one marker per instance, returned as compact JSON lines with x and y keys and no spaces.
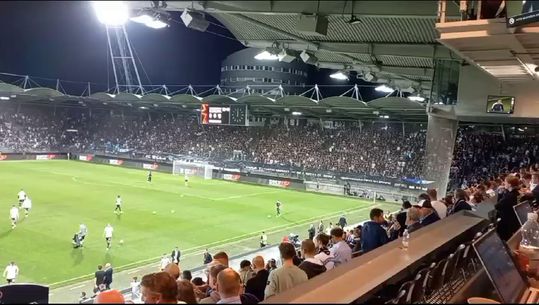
{"x":341,"y":250}
{"x":165,"y":260}
{"x":427,"y":212}
{"x":460,"y":203}
{"x":99,"y":277}
{"x":257,"y":284}
{"x":186,"y":275}
{"x":311,"y":265}
{"x":213,"y":295}
{"x":320,"y":227}
{"x":509,"y":223}
{"x":159,"y":288}
{"x":175,"y":255}
{"x":110,"y":297}
{"x":342,"y":222}
{"x":246,"y":272}
{"x":401,"y":216}
{"x":287,"y":276}
{"x":222,"y":258}
{"x":373,"y":234}
{"x":186,"y":292}
{"x":324,"y":255}
{"x":135,"y":289}
{"x":533,"y":191}
{"x":229,"y":287}
{"x":173,"y":270}
{"x":108,"y":275}
{"x":412,"y":219}
{"x":311,"y":231}
{"x":207,"y":257}
{"x":83,"y":298}
{"x":272,"y":265}
{"x":439,"y":206}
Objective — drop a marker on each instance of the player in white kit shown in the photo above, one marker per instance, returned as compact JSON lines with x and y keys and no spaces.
{"x":14,"y":215}
{"x":108,"y":235}
{"x":118,"y":208}
{"x":21,"y":195}
{"x":27,"y":206}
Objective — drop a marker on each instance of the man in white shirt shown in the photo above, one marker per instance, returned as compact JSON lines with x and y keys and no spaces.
{"x":263,"y":240}
{"x":118,"y":208}
{"x":21,"y":196}
{"x":165,"y":260}
{"x":27,"y":205}
{"x":340,"y":250}
{"x":439,"y":207}
{"x":135,"y":290}
{"x":108,"y":235}
{"x":11,"y":272}
{"x":14,"y":215}
{"x":83,"y":231}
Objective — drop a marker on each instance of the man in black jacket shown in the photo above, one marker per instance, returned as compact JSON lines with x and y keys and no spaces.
{"x":311,"y":265}
{"x":533,"y":195}
{"x":99,"y":277}
{"x":401,"y":216}
{"x":257,"y":284}
{"x":460,"y":202}
{"x":509,"y":223}
{"x":176,"y":254}
{"x":108,"y":276}
{"x":427,"y":212}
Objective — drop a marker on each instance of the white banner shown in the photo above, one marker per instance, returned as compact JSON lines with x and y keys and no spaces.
{"x":279,"y":183}
{"x":116,"y":162}
{"x":44,"y":157}
{"x":150,"y":166}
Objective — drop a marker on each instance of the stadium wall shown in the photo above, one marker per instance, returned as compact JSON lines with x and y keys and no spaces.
{"x":238,"y":176}
{"x":33,"y":156}
{"x":124,"y":162}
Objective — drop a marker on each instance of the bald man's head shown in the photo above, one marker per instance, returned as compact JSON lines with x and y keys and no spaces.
{"x":110,"y":297}
{"x":228,"y":283}
{"x":258,"y":262}
{"x":173,"y":270}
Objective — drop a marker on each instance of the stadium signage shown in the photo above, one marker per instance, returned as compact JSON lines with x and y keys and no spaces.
{"x":86,"y":157}
{"x":279,"y":183}
{"x":116,"y":162}
{"x":150,"y":166}
{"x":45,"y":157}
{"x":232,"y":177}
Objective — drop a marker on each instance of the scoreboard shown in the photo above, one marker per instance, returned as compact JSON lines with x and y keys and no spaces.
{"x":224,"y":115}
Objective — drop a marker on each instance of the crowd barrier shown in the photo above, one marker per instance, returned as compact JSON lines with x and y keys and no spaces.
{"x":33,"y":156}
{"x":238,"y":176}
{"x":124,"y":162}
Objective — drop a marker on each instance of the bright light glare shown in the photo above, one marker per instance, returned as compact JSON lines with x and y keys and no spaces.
{"x":384,"y":88}
{"x":416,"y":98}
{"x":156,"y":24}
{"x":142,"y":19}
{"x":111,"y":12}
{"x":296,"y":113}
{"x":265,"y":55}
{"x":339,"y":75}
{"x":4,"y":98}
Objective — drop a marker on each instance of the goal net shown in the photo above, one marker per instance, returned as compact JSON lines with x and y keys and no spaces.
{"x":192,"y":169}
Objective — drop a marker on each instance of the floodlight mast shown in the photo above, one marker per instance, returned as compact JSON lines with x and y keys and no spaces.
{"x":114,"y":15}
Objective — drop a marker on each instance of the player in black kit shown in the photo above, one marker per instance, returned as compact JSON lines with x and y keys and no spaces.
{"x":278,"y":207}
{"x":150,"y":176}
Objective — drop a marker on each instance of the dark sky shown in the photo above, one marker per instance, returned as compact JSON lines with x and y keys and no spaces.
{"x":63,"y":39}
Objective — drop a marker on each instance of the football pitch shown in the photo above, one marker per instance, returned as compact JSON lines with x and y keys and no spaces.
{"x":207,"y":214}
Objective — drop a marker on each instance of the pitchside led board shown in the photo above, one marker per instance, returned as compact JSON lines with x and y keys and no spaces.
{"x":520,"y":13}
{"x":500,"y":104}
{"x":224,"y":115}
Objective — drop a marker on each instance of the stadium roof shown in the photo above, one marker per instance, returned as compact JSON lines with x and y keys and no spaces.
{"x":393,"y":40}
{"x":335,"y":107}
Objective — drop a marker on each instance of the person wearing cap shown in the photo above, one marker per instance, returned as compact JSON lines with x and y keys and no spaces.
{"x":427,"y":212}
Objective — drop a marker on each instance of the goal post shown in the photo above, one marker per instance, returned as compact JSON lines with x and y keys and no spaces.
{"x":202,"y":170}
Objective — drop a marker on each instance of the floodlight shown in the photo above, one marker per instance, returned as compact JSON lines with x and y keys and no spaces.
{"x":339,"y":75}
{"x":416,"y":98}
{"x":384,"y":88}
{"x":4,"y":98}
{"x":286,"y":56}
{"x":194,"y":20}
{"x":308,"y":58}
{"x":265,"y":55}
{"x":369,"y":77}
{"x":296,"y":113}
{"x":111,"y":12}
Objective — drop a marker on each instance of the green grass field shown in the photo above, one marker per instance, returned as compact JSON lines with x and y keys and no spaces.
{"x":208,"y":213}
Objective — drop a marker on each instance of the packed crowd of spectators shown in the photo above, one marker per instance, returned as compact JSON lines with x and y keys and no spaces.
{"x":374,"y":150}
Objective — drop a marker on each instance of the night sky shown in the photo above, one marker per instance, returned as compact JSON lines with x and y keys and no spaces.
{"x":63,"y":39}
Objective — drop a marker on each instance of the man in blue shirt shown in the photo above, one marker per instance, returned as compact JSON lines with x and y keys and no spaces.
{"x":373,"y":235}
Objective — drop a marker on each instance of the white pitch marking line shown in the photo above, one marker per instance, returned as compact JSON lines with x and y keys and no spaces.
{"x":134,"y":271}
{"x":76,"y":287}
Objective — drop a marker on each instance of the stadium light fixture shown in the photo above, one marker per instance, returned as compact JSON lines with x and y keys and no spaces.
{"x":339,"y":75}
{"x":384,"y":89}
{"x":4,"y":98}
{"x":384,"y":116}
{"x":144,"y":18}
{"x":156,"y":24}
{"x":416,"y":98}
{"x":111,"y":13}
{"x":265,"y":55}
{"x":143,"y":107}
{"x":296,"y":113}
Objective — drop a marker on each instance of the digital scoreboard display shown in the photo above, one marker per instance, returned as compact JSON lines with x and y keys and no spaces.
{"x":224,"y":115}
